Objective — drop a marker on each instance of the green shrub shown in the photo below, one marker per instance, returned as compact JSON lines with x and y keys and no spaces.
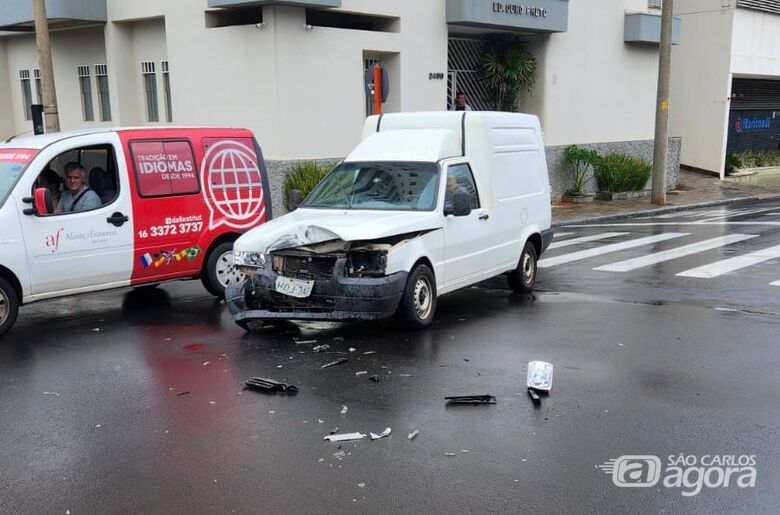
{"x":620,"y":172}
{"x":750,"y":159}
{"x":304,"y":176}
{"x":579,"y":160}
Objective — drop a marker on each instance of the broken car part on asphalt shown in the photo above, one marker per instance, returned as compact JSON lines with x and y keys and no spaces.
{"x":540,"y":376}
{"x":262,"y":384}
{"x":346,"y":437}
{"x":340,"y":361}
{"x":383,"y":434}
{"x":471,"y":399}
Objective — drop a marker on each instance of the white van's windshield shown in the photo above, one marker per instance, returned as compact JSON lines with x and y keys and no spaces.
{"x":12,"y":164}
{"x":394,"y":186}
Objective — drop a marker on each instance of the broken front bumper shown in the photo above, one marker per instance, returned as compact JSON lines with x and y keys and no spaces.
{"x":337,"y":298}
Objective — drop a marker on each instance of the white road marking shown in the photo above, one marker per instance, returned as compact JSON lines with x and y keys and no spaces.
{"x":732,"y":264}
{"x":606,"y":249}
{"x":776,"y":283}
{"x":738,"y":212}
{"x":664,"y":224}
{"x":689,"y":214}
{"x":666,"y":255}
{"x":585,"y":239}
{"x":776,"y":213}
{"x":562,"y":234}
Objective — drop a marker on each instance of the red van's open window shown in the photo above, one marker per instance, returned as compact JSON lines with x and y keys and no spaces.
{"x":164,"y":168}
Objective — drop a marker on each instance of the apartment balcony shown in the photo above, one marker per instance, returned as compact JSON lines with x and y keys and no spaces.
{"x":17,"y":15}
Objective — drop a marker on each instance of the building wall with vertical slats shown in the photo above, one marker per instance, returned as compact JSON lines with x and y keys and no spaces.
{"x":771,"y":6}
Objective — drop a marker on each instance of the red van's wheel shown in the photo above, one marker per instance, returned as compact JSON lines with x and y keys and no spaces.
{"x":9,"y":306}
{"x":220,"y":272}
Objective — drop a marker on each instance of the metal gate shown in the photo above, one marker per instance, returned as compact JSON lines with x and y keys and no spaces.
{"x":464,"y":64}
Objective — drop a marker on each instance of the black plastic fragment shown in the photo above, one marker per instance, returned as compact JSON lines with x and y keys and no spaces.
{"x":471,"y":399}
{"x":374,"y":378}
{"x":262,"y":384}
{"x":535,"y":397}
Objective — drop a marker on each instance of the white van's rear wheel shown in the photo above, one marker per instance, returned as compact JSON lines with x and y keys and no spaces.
{"x":220,"y":272}
{"x":523,"y":278}
{"x":9,"y":306}
{"x":418,"y":304}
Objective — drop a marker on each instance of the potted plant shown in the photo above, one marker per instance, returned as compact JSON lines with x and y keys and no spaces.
{"x":621,"y":177}
{"x":580,"y":161}
{"x":508,"y":68}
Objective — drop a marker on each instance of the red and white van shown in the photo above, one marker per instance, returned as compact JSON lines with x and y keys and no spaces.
{"x":172,"y":201}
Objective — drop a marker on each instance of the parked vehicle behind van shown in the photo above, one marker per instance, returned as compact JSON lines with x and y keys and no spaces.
{"x":426,"y":204}
{"x":138,"y":207}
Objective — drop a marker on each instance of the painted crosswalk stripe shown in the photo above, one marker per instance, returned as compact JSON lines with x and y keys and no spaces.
{"x":732,"y":264}
{"x":562,"y":234}
{"x":666,"y":255}
{"x":738,"y":213}
{"x":585,"y":239}
{"x":776,"y":283}
{"x":606,"y":249}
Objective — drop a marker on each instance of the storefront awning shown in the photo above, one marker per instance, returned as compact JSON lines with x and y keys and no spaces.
{"x":17,"y":15}
{"x":513,"y":16}
{"x":315,"y":4}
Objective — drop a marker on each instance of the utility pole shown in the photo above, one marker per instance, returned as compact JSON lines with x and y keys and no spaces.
{"x":49,"y":93}
{"x":661,"y":146}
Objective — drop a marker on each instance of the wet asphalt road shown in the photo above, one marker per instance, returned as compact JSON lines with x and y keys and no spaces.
{"x":146,"y":414}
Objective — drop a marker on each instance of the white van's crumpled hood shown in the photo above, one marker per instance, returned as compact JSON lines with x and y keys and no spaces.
{"x":310,"y":226}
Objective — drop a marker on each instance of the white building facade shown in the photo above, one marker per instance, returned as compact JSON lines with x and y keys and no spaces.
{"x":293,"y":71}
{"x":726,"y":80}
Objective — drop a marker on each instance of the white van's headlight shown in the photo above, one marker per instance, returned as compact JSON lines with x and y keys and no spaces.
{"x":252,"y":259}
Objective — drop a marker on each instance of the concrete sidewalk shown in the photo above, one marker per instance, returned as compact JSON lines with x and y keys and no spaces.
{"x":694,"y":190}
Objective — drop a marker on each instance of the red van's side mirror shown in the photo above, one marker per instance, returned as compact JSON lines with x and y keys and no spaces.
{"x":42,"y":202}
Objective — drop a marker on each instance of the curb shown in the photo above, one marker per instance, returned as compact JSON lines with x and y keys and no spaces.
{"x":664,"y":210}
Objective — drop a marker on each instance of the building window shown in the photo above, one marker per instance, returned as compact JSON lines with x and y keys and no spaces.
{"x":85,"y":83}
{"x":101,"y":76}
{"x":149,"y":72}
{"x":655,"y":4}
{"x":38,"y":90}
{"x":166,"y":76}
{"x":24,"y":76}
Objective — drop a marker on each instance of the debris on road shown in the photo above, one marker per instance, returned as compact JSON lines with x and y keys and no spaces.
{"x":51,"y":393}
{"x":413,"y":434}
{"x":305,"y":342}
{"x":352,"y":349}
{"x":374,"y":378}
{"x":339,"y":361}
{"x":362,"y":372}
{"x":346,"y":437}
{"x":383,"y":434}
{"x":540,"y":375}
{"x":361,"y":485}
{"x":338,"y":338}
{"x":321,"y":348}
{"x":262,"y":384}
{"x":449,"y":454}
{"x":96,"y":330}
{"x":471,"y":399}
{"x":344,"y":410}
{"x":339,"y":455}
{"x":183,"y":393}
{"x":368,"y":353}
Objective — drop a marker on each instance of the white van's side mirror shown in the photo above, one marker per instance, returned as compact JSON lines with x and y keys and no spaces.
{"x":461,"y":204}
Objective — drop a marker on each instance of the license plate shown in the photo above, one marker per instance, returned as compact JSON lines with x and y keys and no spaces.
{"x":293,"y":287}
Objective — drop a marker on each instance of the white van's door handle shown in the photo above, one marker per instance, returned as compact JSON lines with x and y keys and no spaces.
{"x":484,"y":216}
{"x":117,"y":219}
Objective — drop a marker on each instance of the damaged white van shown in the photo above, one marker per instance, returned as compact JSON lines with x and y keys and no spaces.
{"x":426,"y":204}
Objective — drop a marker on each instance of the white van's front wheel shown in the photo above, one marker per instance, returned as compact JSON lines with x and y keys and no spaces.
{"x":220,"y":272}
{"x":523,"y":278}
{"x":418,"y":304}
{"x":9,"y":306}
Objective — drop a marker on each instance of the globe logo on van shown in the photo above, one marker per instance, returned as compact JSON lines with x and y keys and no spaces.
{"x":233,"y":186}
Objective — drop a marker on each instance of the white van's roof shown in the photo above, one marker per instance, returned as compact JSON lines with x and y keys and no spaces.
{"x":44,"y":140}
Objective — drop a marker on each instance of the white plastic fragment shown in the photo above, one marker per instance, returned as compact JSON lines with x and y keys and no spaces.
{"x":540,"y":375}
{"x":383,"y":434}
{"x":345,"y":437}
{"x":362,"y":485}
{"x":449,"y":454}
{"x":344,"y":410}
{"x":413,"y":434}
{"x":352,"y":349}
{"x":362,"y":372}
{"x":305,"y":342}
{"x":321,"y":348}
{"x":51,"y":393}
